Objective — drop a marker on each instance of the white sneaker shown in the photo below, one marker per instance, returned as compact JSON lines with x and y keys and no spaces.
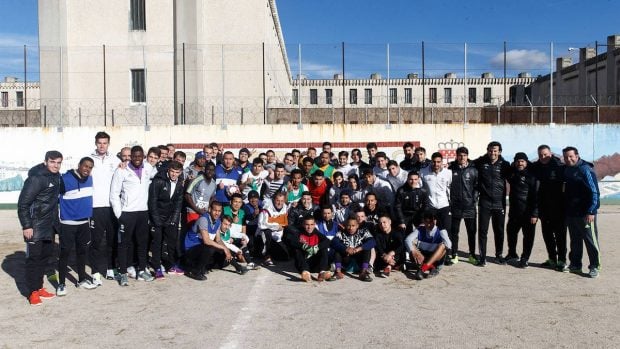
{"x":110,"y":274}
{"x":145,"y":275}
{"x":131,"y":272}
{"x":87,"y":285}
{"x":97,"y":279}
{"x":61,"y":290}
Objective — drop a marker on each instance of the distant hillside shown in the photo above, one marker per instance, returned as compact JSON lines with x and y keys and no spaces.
{"x":607,"y":165}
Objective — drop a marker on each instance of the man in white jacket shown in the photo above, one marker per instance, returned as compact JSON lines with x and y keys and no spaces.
{"x":129,"y":199}
{"x":437,"y":180}
{"x":271,"y":223}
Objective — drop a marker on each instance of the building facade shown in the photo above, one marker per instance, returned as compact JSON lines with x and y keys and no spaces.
{"x":19,"y":103}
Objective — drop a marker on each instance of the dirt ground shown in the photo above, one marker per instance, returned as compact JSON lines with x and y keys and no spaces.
{"x":465,"y":306}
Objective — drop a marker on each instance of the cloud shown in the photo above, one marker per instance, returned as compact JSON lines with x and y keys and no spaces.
{"x":17,"y":40}
{"x":315,"y":70}
{"x":521,"y":59}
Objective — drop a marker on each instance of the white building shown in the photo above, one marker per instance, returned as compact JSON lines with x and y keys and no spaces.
{"x":18,"y":99}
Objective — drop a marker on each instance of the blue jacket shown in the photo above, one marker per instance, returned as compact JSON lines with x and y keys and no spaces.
{"x":581,"y":191}
{"x":76,"y":203}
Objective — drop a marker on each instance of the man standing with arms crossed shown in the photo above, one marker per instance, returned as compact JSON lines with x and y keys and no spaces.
{"x":582,"y":202}
{"x":37,"y":209}
{"x":103,"y":223}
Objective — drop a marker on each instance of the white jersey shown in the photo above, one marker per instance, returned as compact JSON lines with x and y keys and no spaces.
{"x":103,"y":170}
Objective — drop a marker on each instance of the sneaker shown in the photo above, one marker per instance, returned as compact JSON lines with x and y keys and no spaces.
{"x":523,"y":264}
{"x":124,"y":280}
{"x":472,"y":259}
{"x":34,"y":298}
{"x":196,"y":276}
{"x":561,"y":267}
{"x":61,"y":290}
{"x":511,"y":257}
{"x":145,"y":276}
{"x":305,"y":276}
{"x":159,"y":275}
{"x":268,"y":262}
{"x":52,"y":278}
{"x":426,"y":267}
{"x":500,"y":260}
{"x":131,"y":272}
{"x":44,"y":294}
{"x":454,"y":259}
{"x":97,"y":280}
{"x":339,"y":275}
{"x":593,"y":274}
{"x":419,"y":275}
{"x":110,"y":275}
{"x":481,"y":263}
{"x":86,"y":284}
{"x":242,"y":270}
{"x":550,"y":263}
{"x":385,"y":273}
{"x":252,"y":266}
{"x":324,"y":275}
{"x":574,"y":270}
{"x":176,"y":270}
{"x":448,"y":261}
{"x":365,"y":275}
{"x":434,"y":272}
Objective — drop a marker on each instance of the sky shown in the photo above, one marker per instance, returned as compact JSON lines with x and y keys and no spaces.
{"x":368,"y":27}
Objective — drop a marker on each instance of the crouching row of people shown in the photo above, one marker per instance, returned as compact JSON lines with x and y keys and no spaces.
{"x":329,"y":253}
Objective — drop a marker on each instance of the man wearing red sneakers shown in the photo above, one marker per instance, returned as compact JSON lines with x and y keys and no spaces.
{"x":37,"y":209}
{"x":427,"y":246}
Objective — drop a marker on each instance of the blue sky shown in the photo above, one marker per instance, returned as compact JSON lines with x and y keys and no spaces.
{"x":368,"y":26}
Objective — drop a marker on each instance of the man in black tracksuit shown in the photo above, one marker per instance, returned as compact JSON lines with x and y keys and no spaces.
{"x":410,"y":203}
{"x":37,"y":209}
{"x":463,"y":196}
{"x":523,"y":209}
{"x":582,"y":200}
{"x":549,"y":170}
{"x":493,"y":171}
{"x":164,"y":203}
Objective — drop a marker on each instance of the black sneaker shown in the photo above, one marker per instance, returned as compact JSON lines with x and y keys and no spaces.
{"x":500,"y":260}
{"x":196,"y":276}
{"x":448,"y":261}
{"x":523,"y":264}
{"x":481,"y":263}
{"x":419,"y":275}
{"x":434,"y":272}
{"x":511,"y":257}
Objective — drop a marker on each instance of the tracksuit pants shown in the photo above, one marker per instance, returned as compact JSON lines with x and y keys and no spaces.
{"x":73,"y":237}
{"x":512,"y":230}
{"x":314,"y":264}
{"x":582,"y":232}
{"x":362,"y":259}
{"x":470,"y":226}
{"x":38,"y":254}
{"x":554,"y":235}
{"x":103,"y":228}
{"x":497,"y":217}
{"x":133,"y":226}
{"x":200,"y":258}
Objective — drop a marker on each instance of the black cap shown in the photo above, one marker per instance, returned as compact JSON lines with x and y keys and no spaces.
{"x":253,"y":194}
{"x":520,"y":156}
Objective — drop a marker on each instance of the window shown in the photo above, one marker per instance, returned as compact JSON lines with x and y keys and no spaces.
{"x":432,"y":95}
{"x":472,"y":95}
{"x":447,"y":95}
{"x":368,"y":96}
{"x":20,"y":98}
{"x":137,"y":10}
{"x":314,"y":98}
{"x":5,"y":99}
{"x":353,"y":96}
{"x":487,"y":95}
{"x":329,"y":96}
{"x":393,"y":96}
{"x":138,"y":86}
{"x":295,"y":96}
{"x":408,"y":96}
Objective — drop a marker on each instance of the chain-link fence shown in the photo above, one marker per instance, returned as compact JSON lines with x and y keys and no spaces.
{"x":421,"y":82}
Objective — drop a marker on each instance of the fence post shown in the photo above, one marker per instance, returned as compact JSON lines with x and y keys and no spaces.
{"x":241,"y":115}
{"x":45,"y":116}
{"x":113,"y":117}
{"x":80,"y":116}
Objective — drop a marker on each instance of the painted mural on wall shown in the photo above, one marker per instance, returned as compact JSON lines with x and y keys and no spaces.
{"x":599,"y":144}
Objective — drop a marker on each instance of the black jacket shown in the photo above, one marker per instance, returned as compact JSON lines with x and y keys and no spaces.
{"x":37,"y":206}
{"x":163,"y":209}
{"x":394,"y":241}
{"x":550,"y":194}
{"x":297,"y":214}
{"x":523,"y":194}
{"x":492,"y":181}
{"x":409,"y":202}
{"x":409,"y":164}
{"x":463,"y":190}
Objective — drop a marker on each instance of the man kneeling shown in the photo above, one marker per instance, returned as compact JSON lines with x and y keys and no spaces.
{"x":310,"y":251}
{"x":427,"y":246}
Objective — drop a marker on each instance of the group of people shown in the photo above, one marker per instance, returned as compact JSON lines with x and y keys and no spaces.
{"x":137,"y":215}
